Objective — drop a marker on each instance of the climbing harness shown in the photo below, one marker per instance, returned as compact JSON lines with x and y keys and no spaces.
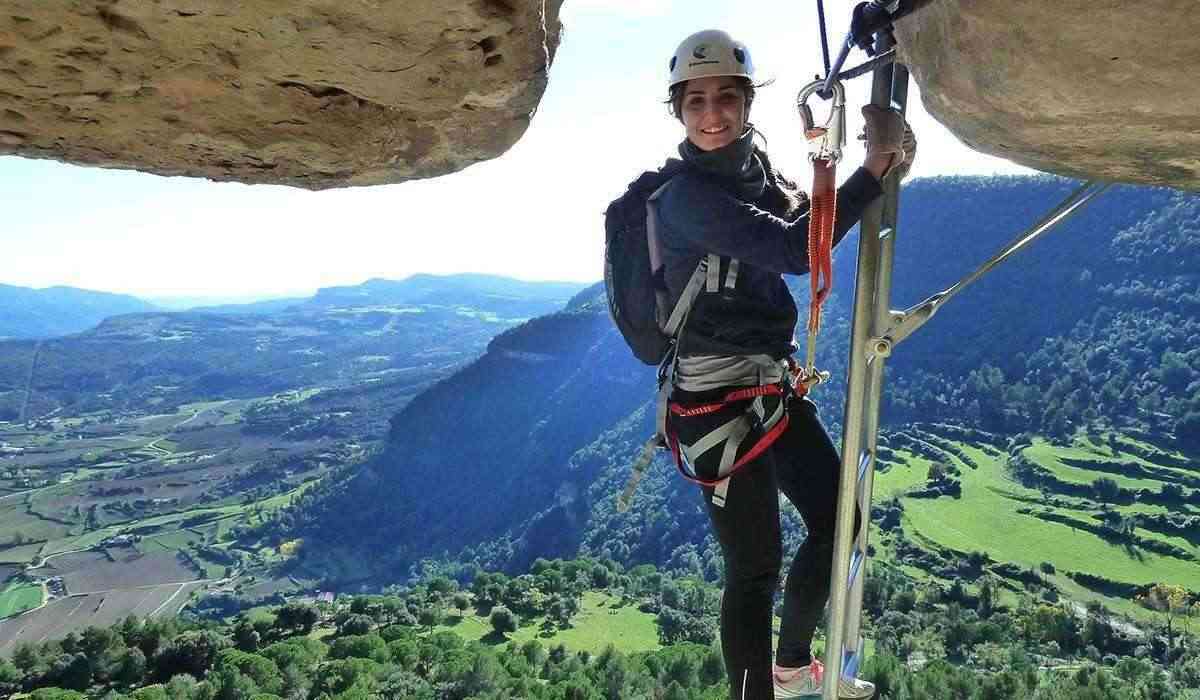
{"x":825,"y":144}
{"x":731,"y":435}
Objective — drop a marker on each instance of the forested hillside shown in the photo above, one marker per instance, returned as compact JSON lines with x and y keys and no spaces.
{"x":585,"y":629}
{"x":528,"y":447}
{"x":54,"y":311}
{"x":1097,"y":321}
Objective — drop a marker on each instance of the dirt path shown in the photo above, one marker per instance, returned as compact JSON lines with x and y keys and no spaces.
{"x":153,"y":444}
{"x":168,"y":600}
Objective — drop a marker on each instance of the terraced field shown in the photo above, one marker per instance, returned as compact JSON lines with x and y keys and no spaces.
{"x":1024,"y":526}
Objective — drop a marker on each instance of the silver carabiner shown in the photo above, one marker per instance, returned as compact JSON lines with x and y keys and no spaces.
{"x":824,"y":142}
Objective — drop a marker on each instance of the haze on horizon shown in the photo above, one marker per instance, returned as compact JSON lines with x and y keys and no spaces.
{"x":535,"y":213}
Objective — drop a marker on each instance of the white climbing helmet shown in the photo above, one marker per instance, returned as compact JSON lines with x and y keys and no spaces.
{"x":709,"y":53}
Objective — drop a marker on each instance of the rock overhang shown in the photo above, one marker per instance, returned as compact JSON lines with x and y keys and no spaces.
{"x":1074,"y":87}
{"x":319,"y":94}
{"x":308,"y":93}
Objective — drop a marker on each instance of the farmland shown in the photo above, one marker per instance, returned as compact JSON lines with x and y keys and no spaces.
{"x":133,"y":512}
{"x":75,"y":612}
{"x":19,"y":598}
{"x":134,"y":456}
{"x":1053,"y":520}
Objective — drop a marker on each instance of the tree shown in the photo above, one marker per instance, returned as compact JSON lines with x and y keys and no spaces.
{"x":1106,"y":489}
{"x":1187,"y":431}
{"x":259,"y":669}
{"x":503,"y":620}
{"x":461,"y":603}
{"x":131,"y":667}
{"x":1171,"y":601}
{"x":442,"y":585}
{"x":56,"y":694}
{"x":675,"y":692}
{"x":296,"y":618}
{"x":367,"y":646}
{"x":72,"y":671}
{"x":355,"y":624}
{"x":431,"y":617}
{"x":245,"y":637}
{"x":192,"y":652}
{"x":230,"y":684}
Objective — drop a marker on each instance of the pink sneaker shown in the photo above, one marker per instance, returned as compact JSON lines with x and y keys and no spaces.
{"x":805,"y":682}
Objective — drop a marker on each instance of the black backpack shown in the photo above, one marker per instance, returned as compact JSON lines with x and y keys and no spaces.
{"x":633,"y":280}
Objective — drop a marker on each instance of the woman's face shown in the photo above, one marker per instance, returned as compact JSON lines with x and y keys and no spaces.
{"x":713,"y":111}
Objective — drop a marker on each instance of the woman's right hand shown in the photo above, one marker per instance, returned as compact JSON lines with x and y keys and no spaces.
{"x":886,"y":135}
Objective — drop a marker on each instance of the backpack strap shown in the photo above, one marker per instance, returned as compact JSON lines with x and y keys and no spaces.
{"x":707,"y":274}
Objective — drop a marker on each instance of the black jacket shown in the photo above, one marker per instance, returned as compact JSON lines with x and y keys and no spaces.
{"x":699,"y":214}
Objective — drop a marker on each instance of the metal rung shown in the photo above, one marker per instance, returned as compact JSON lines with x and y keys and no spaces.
{"x":855,"y":562}
{"x":851,"y":660}
{"x":864,"y":461}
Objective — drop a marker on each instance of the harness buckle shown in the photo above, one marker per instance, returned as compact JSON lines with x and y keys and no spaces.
{"x":825,"y":142}
{"x":802,"y":378}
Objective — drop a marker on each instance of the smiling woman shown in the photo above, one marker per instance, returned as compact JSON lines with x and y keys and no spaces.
{"x":729,"y":222}
{"x":714,"y":110}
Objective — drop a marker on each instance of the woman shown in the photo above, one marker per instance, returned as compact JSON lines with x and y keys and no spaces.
{"x":729,"y":202}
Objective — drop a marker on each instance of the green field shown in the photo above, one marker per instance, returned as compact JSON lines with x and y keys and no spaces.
{"x":600,"y":622}
{"x":19,"y":598}
{"x":1049,"y":457}
{"x":170,"y":541}
{"x":986,"y":518}
{"x":900,"y":477}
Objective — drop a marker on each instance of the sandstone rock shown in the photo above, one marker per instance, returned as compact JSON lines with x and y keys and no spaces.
{"x":310,"y":93}
{"x":1092,"y":90}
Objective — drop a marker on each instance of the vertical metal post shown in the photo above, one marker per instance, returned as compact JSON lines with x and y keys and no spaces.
{"x":875,"y":376}
{"x":872,"y":296}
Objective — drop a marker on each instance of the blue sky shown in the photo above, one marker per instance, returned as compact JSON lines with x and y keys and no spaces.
{"x":534,"y":213}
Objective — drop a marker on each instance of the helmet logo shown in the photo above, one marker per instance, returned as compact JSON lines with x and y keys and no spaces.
{"x":740,"y":55}
{"x":701,"y":51}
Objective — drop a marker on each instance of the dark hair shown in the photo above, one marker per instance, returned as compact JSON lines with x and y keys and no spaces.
{"x":675,"y":96}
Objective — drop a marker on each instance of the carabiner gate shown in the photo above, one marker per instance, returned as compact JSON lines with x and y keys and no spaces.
{"x":824,"y":142}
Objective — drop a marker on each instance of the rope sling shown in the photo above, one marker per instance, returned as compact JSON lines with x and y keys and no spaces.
{"x":825,"y":150}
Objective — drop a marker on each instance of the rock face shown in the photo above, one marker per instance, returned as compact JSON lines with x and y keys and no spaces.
{"x":309,"y":93}
{"x":1092,"y":90}
{"x":329,"y":93}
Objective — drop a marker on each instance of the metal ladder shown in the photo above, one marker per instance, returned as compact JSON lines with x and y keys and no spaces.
{"x":874,"y":331}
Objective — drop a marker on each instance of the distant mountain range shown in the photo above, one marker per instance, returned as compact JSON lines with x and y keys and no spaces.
{"x":27,"y":313}
{"x":374,"y":331}
{"x":55,"y":311}
{"x":502,"y":295}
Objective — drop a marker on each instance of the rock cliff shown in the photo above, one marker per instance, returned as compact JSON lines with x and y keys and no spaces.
{"x":316,"y":93}
{"x":1076,"y":87}
{"x":309,"y":93}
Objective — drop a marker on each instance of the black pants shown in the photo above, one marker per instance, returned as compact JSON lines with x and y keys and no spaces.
{"x":805,"y":466}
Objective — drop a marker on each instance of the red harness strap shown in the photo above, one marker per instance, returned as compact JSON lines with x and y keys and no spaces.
{"x":739,"y":395}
